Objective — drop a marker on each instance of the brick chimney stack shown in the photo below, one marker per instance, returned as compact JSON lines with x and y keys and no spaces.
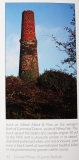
{"x":28,"y":45}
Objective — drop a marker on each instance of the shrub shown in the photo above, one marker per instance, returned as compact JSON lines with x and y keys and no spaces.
{"x":57,"y":80}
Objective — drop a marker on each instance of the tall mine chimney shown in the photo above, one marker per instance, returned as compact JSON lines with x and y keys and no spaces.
{"x":28,"y":45}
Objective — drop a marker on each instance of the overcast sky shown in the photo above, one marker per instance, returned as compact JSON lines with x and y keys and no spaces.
{"x":50,"y":19}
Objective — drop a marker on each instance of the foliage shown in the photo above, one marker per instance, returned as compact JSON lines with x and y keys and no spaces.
{"x":52,"y":96}
{"x":69,"y":47}
{"x":57,"y":80}
{"x":28,"y":75}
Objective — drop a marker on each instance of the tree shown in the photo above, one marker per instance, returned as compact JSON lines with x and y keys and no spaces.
{"x":70,"y":46}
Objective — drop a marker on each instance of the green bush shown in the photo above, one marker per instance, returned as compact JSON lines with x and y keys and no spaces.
{"x":57,"y":80}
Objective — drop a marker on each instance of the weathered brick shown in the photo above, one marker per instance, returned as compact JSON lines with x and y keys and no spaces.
{"x":28,"y":44}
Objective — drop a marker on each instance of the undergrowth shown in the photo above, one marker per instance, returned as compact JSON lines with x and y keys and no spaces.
{"x":53,"y":95}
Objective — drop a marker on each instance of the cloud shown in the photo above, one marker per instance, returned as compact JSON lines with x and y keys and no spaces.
{"x":12,"y":54}
{"x":47,"y":31}
{"x":44,"y":38}
{"x":44,"y":35}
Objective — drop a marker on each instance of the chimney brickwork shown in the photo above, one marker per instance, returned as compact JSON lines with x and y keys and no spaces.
{"x":28,"y":45}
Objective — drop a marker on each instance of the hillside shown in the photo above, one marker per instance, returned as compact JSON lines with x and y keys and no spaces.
{"x":53,"y":95}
